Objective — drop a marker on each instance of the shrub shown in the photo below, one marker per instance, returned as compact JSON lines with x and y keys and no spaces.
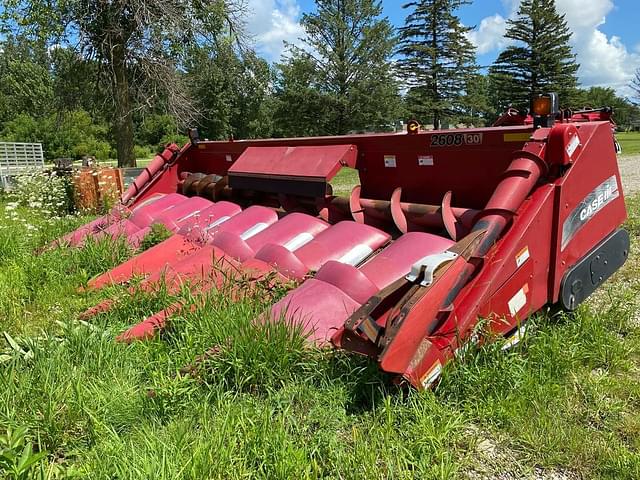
{"x":157,"y":130}
{"x":43,"y":191}
{"x":92,"y":147}
{"x":69,"y":134}
{"x":142,"y":152}
{"x":172,"y":138}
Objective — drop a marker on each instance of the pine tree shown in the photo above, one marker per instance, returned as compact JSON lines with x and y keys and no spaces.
{"x":540,"y":61}
{"x":437,"y":59}
{"x":346,"y":64}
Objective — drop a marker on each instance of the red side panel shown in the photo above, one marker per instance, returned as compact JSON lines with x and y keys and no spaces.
{"x":591,"y":203}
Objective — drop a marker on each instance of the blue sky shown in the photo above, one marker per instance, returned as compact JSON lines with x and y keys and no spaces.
{"x":606,"y":33}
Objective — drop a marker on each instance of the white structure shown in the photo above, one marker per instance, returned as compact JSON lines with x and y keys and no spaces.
{"x":18,"y":158}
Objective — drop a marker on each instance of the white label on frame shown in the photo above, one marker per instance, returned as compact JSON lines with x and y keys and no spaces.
{"x":390,"y":161}
{"x":425,"y":160}
{"x":573,"y":145}
{"x":518,"y":301}
{"x":522,"y":256}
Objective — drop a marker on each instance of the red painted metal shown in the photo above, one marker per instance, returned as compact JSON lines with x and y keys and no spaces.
{"x":487,"y":221}
{"x":151,"y":172}
{"x":302,"y":162}
{"x":186,"y":241}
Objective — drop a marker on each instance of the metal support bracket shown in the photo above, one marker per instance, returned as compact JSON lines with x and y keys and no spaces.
{"x":427,"y":266}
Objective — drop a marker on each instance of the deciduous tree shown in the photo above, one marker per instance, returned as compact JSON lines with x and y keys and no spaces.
{"x":25,"y":82}
{"x":234,"y":91}
{"x":635,"y":86}
{"x":138,"y":44}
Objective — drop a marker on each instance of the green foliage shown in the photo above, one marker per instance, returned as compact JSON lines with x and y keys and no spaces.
{"x":26,"y":87}
{"x":155,"y":129}
{"x":301,"y":108}
{"x":143,"y":152}
{"x":475,"y":105}
{"x":342,"y":79}
{"x":263,"y":405}
{"x":540,"y":61}
{"x":157,"y":234}
{"x":437,"y":61}
{"x":25,"y":83}
{"x":176,"y":138}
{"x":69,"y":134}
{"x":138,"y":51}
{"x":76,"y":85}
{"x":625,"y":114}
{"x":46,"y":96}
{"x":234,"y":92}
{"x":17,"y":457}
{"x":23,"y":127}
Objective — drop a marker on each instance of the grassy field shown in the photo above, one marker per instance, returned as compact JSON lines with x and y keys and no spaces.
{"x":630,"y":142}
{"x":563,"y":404}
{"x":112,"y":162}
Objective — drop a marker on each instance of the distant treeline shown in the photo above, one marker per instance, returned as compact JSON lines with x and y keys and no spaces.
{"x":120,"y":79}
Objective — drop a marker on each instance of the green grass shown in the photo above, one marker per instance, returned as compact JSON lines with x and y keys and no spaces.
{"x":112,"y":162}
{"x":630,"y":142}
{"x":566,"y":399}
{"x":344,"y":181}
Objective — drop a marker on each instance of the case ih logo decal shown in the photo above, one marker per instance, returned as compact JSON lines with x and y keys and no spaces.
{"x":455,"y":139}
{"x":602,"y":195}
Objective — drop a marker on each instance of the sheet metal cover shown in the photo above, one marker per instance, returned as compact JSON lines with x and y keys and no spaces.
{"x":312,"y":162}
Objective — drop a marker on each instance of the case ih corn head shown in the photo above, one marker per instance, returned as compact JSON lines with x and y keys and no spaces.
{"x":445,"y":228}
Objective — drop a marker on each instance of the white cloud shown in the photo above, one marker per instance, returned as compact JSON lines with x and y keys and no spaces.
{"x":604,"y":61}
{"x":583,"y":15}
{"x":272,"y":22}
{"x":489,"y":35}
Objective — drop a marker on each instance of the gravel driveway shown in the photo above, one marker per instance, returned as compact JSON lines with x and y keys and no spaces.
{"x":630,"y":173}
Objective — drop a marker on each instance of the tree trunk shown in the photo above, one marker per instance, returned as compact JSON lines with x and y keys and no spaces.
{"x":434,"y":62}
{"x":437,"y":123}
{"x":123,"y":119}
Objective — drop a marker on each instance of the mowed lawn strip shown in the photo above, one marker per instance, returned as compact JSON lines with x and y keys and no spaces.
{"x":630,"y":143}
{"x":565,"y":401}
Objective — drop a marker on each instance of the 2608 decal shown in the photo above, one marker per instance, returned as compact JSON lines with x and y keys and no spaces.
{"x":455,"y":139}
